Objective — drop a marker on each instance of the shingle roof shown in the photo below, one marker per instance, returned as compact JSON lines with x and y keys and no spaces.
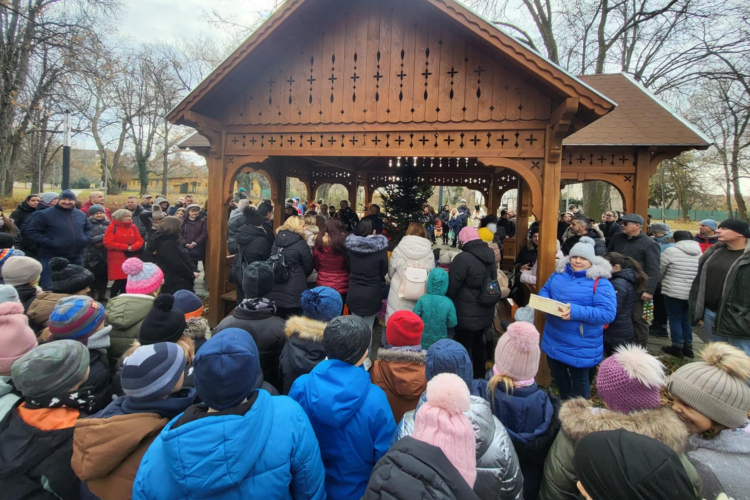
{"x":640,"y":118}
{"x":194,"y":141}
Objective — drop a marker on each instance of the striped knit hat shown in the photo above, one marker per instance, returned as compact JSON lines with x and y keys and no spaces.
{"x":152,"y":371}
{"x":79,"y":318}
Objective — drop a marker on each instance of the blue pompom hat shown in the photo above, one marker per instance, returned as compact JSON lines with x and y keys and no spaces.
{"x":321,"y":303}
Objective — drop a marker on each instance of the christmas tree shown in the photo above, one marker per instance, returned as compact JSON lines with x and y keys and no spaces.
{"x":403,"y":199}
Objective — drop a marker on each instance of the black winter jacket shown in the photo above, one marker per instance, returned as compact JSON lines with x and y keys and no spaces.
{"x":644,"y":250}
{"x":19,"y":216}
{"x":255,"y":245}
{"x":599,"y":247}
{"x":465,"y":281}
{"x":173,"y":260}
{"x":95,"y":255}
{"x":368,"y":265}
{"x":303,"y":349}
{"x":59,"y":232}
{"x":27,"y":295}
{"x":268,"y":332}
{"x":413,"y":469}
{"x":300,"y":261}
{"x":621,"y":329}
{"x":35,"y":463}
{"x":100,"y":379}
{"x":609,"y":229}
{"x":508,"y":226}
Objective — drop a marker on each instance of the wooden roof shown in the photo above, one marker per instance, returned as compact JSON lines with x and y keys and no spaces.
{"x":292,"y":21}
{"x":640,"y":119}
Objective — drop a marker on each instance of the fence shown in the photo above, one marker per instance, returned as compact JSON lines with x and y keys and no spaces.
{"x":695,"y":215}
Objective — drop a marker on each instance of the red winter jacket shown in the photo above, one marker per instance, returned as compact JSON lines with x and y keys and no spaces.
{"x":116,"y":240}
{"x":332,"y":269}
{"x":87,"y":205}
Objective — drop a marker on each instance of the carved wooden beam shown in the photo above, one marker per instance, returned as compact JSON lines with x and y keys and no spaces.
{"x":560,"y":122}
{"x":208,"y":127}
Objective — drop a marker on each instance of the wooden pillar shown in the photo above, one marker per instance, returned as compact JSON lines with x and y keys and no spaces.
{"x":279,"y":197}
{"x":522,"y":214}
{"x":217,"y":239}
{"x":640,"y":185}
{"x":353,"y":196}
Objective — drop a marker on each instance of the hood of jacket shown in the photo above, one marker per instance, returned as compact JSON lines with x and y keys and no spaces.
{"x":217,"y":470}
{"x":127,"y":310}
{"x":690,"y":247}
{"x":247,"y":233}
{"x":628,"y":275}
{"x":25,"y":207}
{"x":196,"y":328}
{"x":437,"y":283}
{"x":728,"y":441}
{"x":284,"y":238}
{"x":480,"y":250}
{"x":414,"y":247}
{"x":305,"y":328}
{"x":579,"y":418}
{"x":40,"y":310}
{"x":366,"y":244}
{"x":335,"y":391}
{"x":600,"y":268}
{"x":102,"y":444}
{"x":402,"y":372}
{"x":527,"y":412}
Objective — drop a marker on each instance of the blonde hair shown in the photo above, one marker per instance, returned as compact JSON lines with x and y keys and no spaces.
{"x":294,"y":224}
{"x":416,"y":229}
{"x":187,"y":344}
{"x":497,"y":379}
{"x":120,"y":215}
{"x":311,"y":218}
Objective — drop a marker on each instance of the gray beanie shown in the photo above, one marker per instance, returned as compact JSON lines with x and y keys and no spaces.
{"x":157,"y":213}
{"x":584,"y":248}
{"x":346,"y":338}
{"x":21,"y":271}
{"x":717,"y":386}
{"x":48,"y":197}
{"x":8,"y":293}
{"x":51,"y":369}
{"x":95,"y":209}
{"x":660,"y":227}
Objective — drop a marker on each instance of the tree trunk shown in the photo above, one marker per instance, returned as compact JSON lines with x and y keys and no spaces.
{"x":143,"y":173}
{"x":593,"y":198}
{"x":728,"y":192}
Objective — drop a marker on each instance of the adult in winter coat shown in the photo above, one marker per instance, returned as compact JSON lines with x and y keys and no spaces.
{"x":253,"y":245}
{"x":580,"y":228}
{"x":464,"y":212}
{"x":414,"y":250}
{"x":628,"y":280}
{"x":469,"y":270}
{"x":257,"y":316}
{"x":23,"y":211}
{"x":574,"y":341}
{"x":610,"y":226}
{"x":60,"y":231}
{"x":122,"y":241}
{"x":263,"y":446}
{"x":367,"y":260}
{"x":712,"y":398}
{"x":445,"y":216}
{"x":290,"y":241}
{"x":629,"y":383}
{"x":95,"y":254}
{"x":498,"y":472}
{"x":171,"y":257}
{"x":194,"y":233}
{"x":679,"y":267}
{"x":414,"y":469}
{"x":707,"y":236}
{"x":329,"y":254}
{"x":236,"y":221}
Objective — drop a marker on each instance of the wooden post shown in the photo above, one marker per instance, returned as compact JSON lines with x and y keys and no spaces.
{"x":279,"y":197}
{"x":640,"y":186}
{"x":353,"y":196}
{"x":217,"y":240}
{"x":522,"y":214}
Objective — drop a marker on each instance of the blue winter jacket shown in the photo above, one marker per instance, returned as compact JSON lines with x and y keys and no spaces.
{"x":269,"y":453}
{"x":58,"y":232}
{"x":661,"y":241}
{"x":352,"y":420}
{"x":578,"y":342}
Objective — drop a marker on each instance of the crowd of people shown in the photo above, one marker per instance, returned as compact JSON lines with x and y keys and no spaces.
{"x":131,"y":395}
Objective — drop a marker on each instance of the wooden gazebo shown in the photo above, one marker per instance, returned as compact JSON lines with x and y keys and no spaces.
{"x":342,"y":91}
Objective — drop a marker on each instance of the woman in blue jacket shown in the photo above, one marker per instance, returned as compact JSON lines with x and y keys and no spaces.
{"x":574,"y":341}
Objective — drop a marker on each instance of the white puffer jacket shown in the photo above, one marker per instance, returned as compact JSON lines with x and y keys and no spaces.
{"x":411,"y":251}
{"x":679,"y":265}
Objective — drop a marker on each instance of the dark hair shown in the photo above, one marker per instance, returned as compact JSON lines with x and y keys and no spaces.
{"x":170,"y":225}
{"x":32,"y":196}
{"x":364,"y":228}
{"x":376,"y":206}
{"x":476,"y":207}
{"x":487,"y":220}
{"x":618,"y":259}
{"x":682,"y":236}
{"x":336,"y":236}
{"x":416,"y":229}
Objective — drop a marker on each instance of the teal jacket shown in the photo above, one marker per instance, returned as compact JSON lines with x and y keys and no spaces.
{"x":436,"y":310}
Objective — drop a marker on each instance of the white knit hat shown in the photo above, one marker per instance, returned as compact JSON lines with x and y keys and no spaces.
{"x":584,"y":249}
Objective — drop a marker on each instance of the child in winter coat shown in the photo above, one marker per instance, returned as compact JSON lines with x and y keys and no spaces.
{"x":498,"y":471}
{"x":197,"y":326}
{"x":399,"y":369}
{"x":240,"y":442}
{"x":436,"y":310}
{"x":529,"y":414}
{"x":22,"y":273}
{"x":304,"y":334}
{"x":109,"y":446}
{"x":629,"y":382}
{"x":18,"y":339}
{"x":712,"y":398}
{"x":81,"y":318}
{"x":444,"y":260}
{"x":629,"y":282}
{"x":95,"y":255}
{"x":36,"y":435}
{"x":351,"y":416}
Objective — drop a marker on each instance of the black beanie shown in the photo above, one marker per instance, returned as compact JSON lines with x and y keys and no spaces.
{"x":265,"y":208}
{"x":6,"y":240}
{"x":253,"y":217}
{"x":346,"y":338}
{"x":69,"y":278}
{"x":163,"y":323}
{"x":736,"y":225}
{"x":257,"y":280}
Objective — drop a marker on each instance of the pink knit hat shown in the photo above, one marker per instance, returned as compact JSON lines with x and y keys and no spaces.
{"x":630,"y":380}
{"x":468,"y":234}
{"x":143,"y":277}
{"x":441,"y":422}
{"x":517,"y":352}
{"x":16,"y":338}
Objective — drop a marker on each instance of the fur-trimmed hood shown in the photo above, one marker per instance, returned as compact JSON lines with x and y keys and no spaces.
{"x":305,"y":328}
{"x":728,"y":441}
{"x":600,"y":268}
{"x":196,"y":328}
{"x":366,"y":244}
{"x":579,"y":418}
{"x":405,"y":356}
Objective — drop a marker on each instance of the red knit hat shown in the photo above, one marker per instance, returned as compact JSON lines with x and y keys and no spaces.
{"x":404,"y":328}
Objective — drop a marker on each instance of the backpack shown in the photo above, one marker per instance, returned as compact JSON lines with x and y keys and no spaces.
{"x":280,"y":268}
{"x":414,"y":283}
{"x":491,"y":293}
{"x":237,"y":269}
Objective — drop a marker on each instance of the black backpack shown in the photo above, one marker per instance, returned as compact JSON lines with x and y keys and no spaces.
{"x":238,"y":267}
{"x":490,"y":294}
{"x":280,"y":268}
